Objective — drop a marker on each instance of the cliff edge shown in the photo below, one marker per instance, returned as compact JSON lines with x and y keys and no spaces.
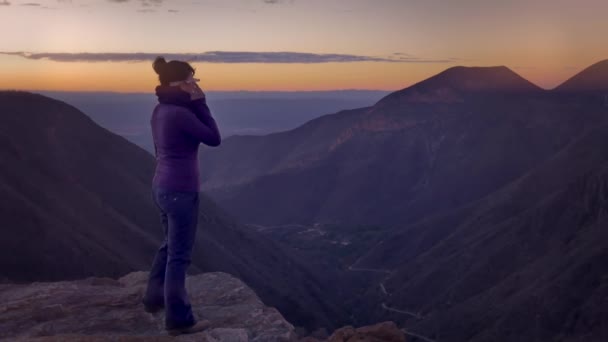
{"x":106,"y":309}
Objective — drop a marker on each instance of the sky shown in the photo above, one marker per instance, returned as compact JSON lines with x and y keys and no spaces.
{"x":292,"y":45}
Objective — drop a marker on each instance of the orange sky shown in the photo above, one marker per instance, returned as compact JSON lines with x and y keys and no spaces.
{"x":544,"y":41}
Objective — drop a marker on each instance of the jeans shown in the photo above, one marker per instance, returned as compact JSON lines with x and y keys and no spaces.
{"x":167,"y":280}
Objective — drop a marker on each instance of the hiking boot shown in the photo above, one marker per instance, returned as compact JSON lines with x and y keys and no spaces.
{"x":196,"y":327}
{"x":152,"y":308}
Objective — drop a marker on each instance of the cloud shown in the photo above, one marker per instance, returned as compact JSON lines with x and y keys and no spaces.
{"x":276,"y":2}
{"x":67,"y":2}
{"x":145,"y":3}
{"x":222,"y":57}
{"x":5,"y":3}
{"x":38,"y":5}
{"x":150,"y":3}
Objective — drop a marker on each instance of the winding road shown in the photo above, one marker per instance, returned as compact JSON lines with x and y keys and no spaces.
{"x":388,"y":308}
{"x":405,"y":312}
{"x":353,"y":268}
{"x":423,"y":338}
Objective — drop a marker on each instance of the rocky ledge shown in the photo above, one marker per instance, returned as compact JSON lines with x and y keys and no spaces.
{"x":106,"y":309}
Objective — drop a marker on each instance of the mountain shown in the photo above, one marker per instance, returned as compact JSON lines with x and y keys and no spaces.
{"x":439,"y":144}
{"x":496,"y":202}
{"x":77,"y":202}
{"x":456,"y":83}
{"x":593,"y":79}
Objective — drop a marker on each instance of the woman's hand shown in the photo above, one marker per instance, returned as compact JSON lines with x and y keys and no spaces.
{"x":193,"y":89}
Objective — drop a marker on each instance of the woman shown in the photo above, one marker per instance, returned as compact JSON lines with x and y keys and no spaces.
{"x":180,"y":122}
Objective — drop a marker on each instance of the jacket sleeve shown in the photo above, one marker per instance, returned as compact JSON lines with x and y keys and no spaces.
{"x":200,"y":125}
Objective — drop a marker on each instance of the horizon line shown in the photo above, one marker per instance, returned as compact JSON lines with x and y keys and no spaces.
{"x":327,"y":90}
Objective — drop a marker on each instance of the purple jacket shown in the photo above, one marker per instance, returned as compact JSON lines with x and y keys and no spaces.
{"x":179,"y":125}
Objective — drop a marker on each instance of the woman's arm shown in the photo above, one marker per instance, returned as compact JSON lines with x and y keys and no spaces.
{"x":201,"y":125}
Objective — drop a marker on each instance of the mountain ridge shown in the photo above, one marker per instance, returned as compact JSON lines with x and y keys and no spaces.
{"x":594,"y":78}
{"x":416,"y":138}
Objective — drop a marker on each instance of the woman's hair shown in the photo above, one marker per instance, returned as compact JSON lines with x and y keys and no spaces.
{"x":171,"y":71}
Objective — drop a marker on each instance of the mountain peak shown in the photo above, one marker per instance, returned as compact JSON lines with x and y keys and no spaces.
{"x":450,"y":84}
{"x":482,"y":79}
{"x":592,"y":79}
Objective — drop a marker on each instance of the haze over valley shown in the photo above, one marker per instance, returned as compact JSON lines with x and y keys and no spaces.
{"x":239,"y":112}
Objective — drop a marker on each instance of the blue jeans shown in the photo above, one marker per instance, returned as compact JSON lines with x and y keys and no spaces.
{"x":167,"y":280}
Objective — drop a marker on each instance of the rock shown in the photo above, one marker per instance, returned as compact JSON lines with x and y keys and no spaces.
{"x":301,"y":332}
{"x":380,"y":332}
{"x":384,"y":331}
{"x":105,"y":309}
{"x":342,"y":334}
{"x":309,"y":339}
{"x":320,"y":333}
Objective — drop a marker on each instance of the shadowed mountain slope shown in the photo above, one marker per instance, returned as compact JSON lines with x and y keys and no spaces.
{"x":532,"y":252}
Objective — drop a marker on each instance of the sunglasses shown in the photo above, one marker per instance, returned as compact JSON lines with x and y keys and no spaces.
{"x":189,"y":80}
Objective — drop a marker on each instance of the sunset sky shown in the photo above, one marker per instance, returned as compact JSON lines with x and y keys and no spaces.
{"x":292,"y":44}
